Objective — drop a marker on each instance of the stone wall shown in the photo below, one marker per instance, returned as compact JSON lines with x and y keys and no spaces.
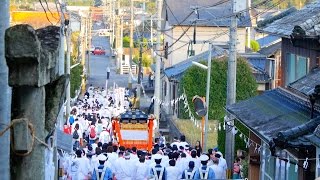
{"x":38,"y":92}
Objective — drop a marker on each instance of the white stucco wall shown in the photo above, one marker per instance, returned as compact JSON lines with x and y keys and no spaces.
{"x":202,"y":34}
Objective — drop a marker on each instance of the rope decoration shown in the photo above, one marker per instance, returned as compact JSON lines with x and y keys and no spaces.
{"x":32,"y":132}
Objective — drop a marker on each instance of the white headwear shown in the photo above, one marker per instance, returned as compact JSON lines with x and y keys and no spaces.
{"x":157,"y":156}
{"x":102,"y":157}
{"x":204,"y":157}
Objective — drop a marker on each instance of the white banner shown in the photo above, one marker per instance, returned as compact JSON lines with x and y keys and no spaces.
{"x":134,"y":135}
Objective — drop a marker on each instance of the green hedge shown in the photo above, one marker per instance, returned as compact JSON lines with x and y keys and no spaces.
{"x":75,"y":79}
{"x":194,"y":83}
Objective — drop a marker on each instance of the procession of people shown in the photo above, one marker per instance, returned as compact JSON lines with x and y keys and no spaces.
{"x":98,"y":156}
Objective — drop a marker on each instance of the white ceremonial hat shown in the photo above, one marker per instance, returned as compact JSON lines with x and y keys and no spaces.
{"x":127,"y":155}
{"x":157,"y":156}
{"x":204,"y":157}
{"x":102,"y":157}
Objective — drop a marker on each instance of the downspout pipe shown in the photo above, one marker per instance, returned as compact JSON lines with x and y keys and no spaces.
{"x":5,"y":96}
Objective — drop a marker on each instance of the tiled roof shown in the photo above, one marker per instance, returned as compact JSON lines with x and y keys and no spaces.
{"x":178,"y":69}
{"x":260,"y":76}
{"x":216,"y":16}
{"x":272,"y":112}
{"x":268,"y":41}
{"x":258,"y":64}
{"x":306,"y":84}
{"x":305,"y":22}
{"x":270,"y":50}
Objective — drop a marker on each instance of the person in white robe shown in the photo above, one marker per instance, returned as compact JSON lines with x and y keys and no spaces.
{"x":141,"y":169}
{"x":79,"y":167}
{"x":218,"y":171}
{"x":125,"y":168}
{"x":172,"y":170}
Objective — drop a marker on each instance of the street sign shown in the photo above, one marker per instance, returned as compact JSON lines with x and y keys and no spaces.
{"x":64,"y":141}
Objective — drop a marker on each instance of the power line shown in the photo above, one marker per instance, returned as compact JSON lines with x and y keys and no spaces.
{"x":179,"y":23}
{"x":176,"y":17}
{"x":213,"y":5}
{"x":45,"y":12}
{"x":227,"y":31}
{"x":56,"y":4}
{"x":275,"y":4}
{"x":50,"y":10}
{"x":218,"y":3}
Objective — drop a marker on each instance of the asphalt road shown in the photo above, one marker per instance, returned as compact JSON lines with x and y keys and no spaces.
{"x":99,"y":63}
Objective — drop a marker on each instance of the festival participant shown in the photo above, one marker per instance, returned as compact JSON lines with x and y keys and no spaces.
{"x":102,"y":172}
{"x":204,"y":172}
{"x":158,"y":171}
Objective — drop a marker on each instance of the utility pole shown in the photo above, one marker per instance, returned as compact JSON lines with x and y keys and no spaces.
{"x":131,"y":45}
{"x":140,"y":64}
{"x":231,"y":88}
{"x":151,"y":32}
{"x":84,"y":32}
{"x":157,"y":87}
{"x":89,"y":39}
{"x":112,"y":24}
{"x":68,"y":70}
{"x":140,"y":72}
{"x":207,"y":99}
{"x":118,"y":34}
{"x":5,"y":96}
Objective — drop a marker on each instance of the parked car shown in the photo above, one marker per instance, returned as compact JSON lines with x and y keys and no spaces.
{"x":99,"y":51}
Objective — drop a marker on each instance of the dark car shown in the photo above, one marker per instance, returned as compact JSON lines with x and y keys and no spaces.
{"x":99,"y":51}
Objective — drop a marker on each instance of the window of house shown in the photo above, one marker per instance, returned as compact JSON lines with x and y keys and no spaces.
{"x":269,"y":171}
{"x":297,"y":67}
{"x":278,"y":167}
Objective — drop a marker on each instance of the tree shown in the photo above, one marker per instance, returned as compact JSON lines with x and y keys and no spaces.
{"x":146,"y":59}
{"x":194,"y":83}
{"x":124,"y":3}
{"x":255,"y":46}
{"x":75,"y":43}
{"x":76,"y":72}
{"x":151,"y":7}
{"x":126,"y":41}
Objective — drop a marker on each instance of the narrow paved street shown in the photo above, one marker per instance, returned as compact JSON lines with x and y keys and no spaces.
{"x":99,"y":63}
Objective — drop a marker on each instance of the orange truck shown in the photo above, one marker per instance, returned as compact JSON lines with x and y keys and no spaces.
{"x":134,"y":128}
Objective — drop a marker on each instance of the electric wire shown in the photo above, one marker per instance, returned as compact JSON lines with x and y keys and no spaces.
{"x":45,"y":11}
{"x":165,"y":2}
{"x":189,"y":26}
{"x":262,"y":12}
{"x":227,"y":31}
{"x":50,"y":10}
{"x":56,"y":4}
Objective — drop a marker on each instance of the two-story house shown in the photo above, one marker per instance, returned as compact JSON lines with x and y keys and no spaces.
{"x":284,"y":122}
{"x":206,"y":20}
{"x":300,"y":48}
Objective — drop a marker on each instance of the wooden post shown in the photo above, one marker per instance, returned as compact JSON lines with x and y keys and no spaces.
{"x":202,"y":128}
{"x":150,"y":138}
{"x":202,"y":131}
